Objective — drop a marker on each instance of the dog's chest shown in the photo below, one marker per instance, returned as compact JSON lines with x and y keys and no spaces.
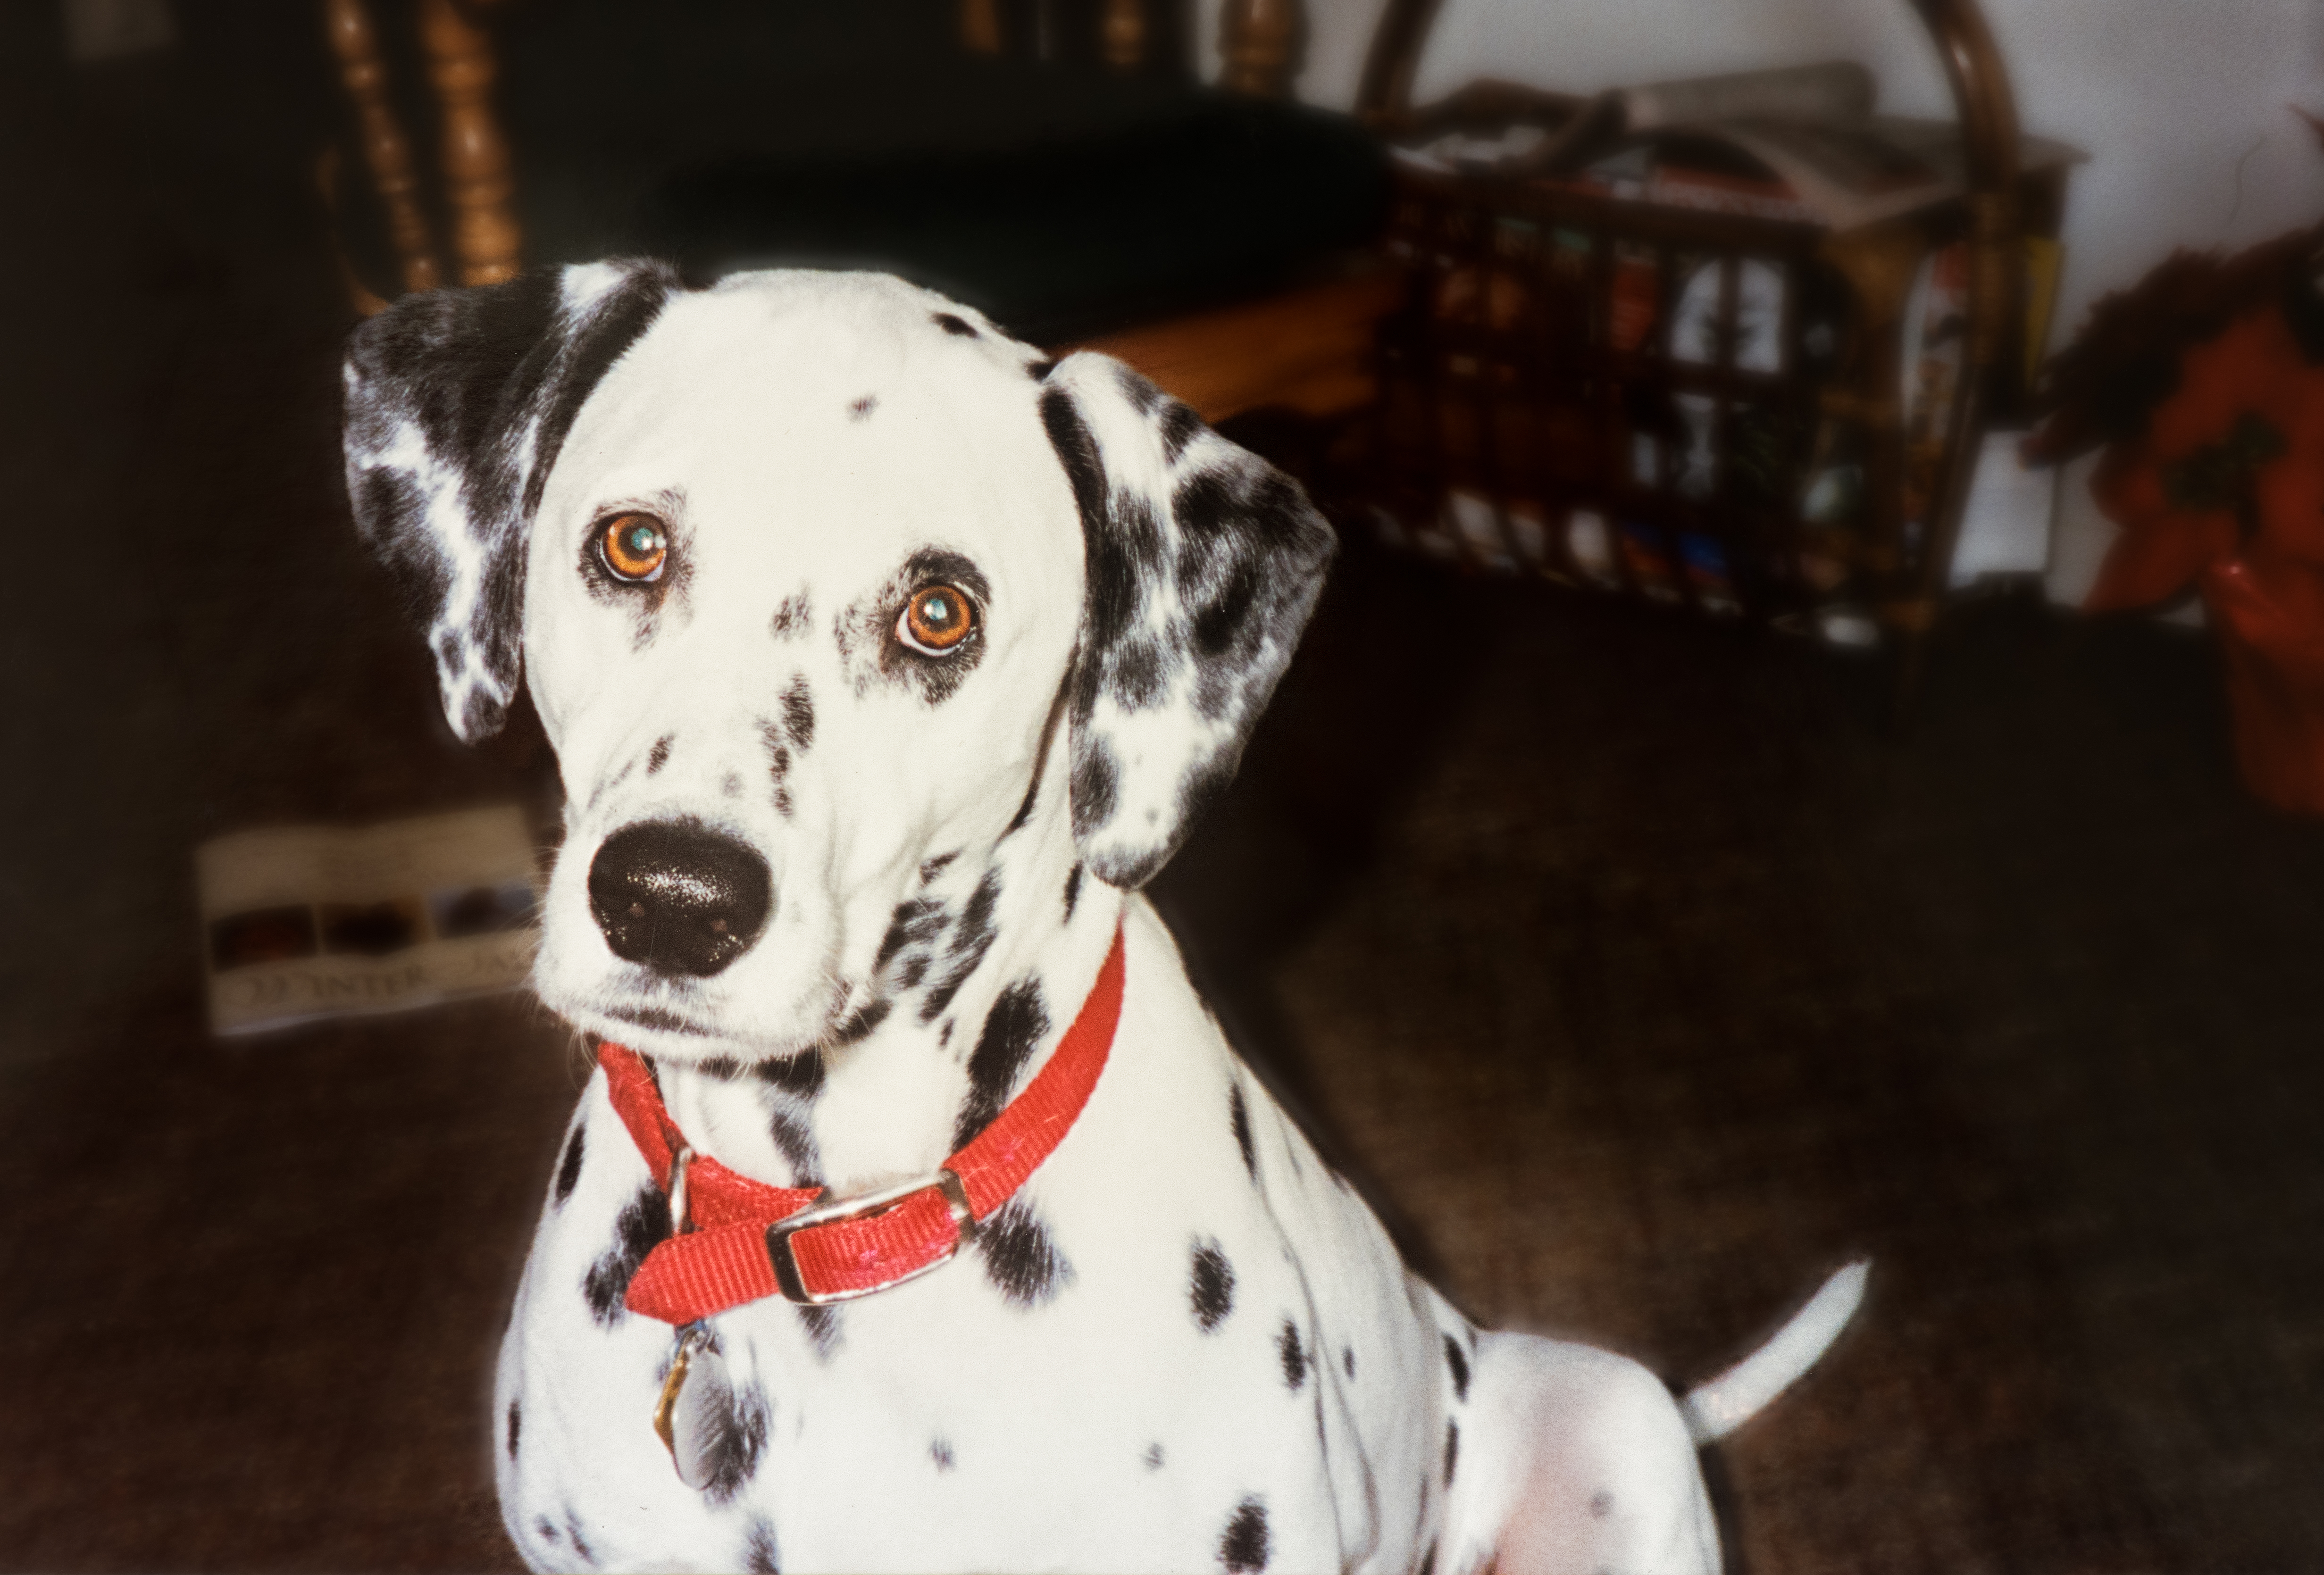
{"x":1161,"y":1355}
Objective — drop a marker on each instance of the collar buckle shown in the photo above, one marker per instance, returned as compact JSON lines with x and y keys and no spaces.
{"x":780,"y":1251}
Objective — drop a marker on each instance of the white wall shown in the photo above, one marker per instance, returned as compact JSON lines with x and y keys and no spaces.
{"x":2181,"y":104}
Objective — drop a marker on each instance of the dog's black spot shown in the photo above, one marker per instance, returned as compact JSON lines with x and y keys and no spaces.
{"x":1428,"y":1561}
{"x":1243,"y":1549}
{"x":797,"y":1145}
{"x":730,"y":785}
{"x":1226,"y":614}
{"x":859,"y":1023}
{"x":1180,"y":426}
{"x":759,"y":1556}
{"x":1238,"y":1118}
{"x":1294,"y":1359}
{"x":971,"y":939}
{"x":1142,"y":395}
{"x":1348,"y":1360}
{"x":1073,"y":890}
{"x":1451,"y":1450}
{"x":387,"y":499}
{"x":1153,"y":1457}
{"x":779,"y":752}
{"x":568,"y":1169}
{"x":822,"y":1327}
{"x":1249,"y":503}
{"x":1601,"y":1505}
{"x":515,"y":1426}
{"x":792,"y":615}
{"x":1076,"y":449}
{"x":1211,"y":1289}
{"x":940,"y":1451}
{"x":932,"y":868}
{"x":917,"y":921}
{"x":957,"y":327}
{"x":798,"y":713}
{"x":580,"y":1544}
{"x":1123,"y":555}
{"x":1459,"y":1364}
{"x":545,"y":1529}
{"x":1097,"y":785}
{"x":722,"y":1068}
{"x":1021,"y":1261}
{"x":915,"y":969}
{"x":643,"y":1221}
{"x":1139,"y":675}
{"x":943,"y":1034}
{"x":860,"y":409}
{"x":1019,"y":1018}
{"x":658,"y":756}
{"x":732,"y":1454}
{"x":799,"y":1076}
{"x":1039,"y":371}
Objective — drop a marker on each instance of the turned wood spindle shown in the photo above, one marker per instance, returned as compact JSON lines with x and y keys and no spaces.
{"x":980,"y":26}
{"x":386,"y":150}
{"x":1121,"y":38}
{"x":1260,"y":42}
{"x":478,"y":179}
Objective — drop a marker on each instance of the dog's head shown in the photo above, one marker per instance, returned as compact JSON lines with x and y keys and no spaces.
{"x":813,"y":577}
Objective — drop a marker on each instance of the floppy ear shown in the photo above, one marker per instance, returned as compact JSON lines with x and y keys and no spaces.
{"x":1203,"y":563}
{"x":457,"y":403}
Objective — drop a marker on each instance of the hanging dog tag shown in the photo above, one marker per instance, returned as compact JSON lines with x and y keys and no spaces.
{"x":696,"y":1406}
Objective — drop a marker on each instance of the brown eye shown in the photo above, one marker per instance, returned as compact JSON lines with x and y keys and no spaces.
{"x":634,"y":547}
{"x":935,"y":620}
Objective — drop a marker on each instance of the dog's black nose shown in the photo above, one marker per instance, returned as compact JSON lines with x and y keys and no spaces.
{"x":678,"y":897}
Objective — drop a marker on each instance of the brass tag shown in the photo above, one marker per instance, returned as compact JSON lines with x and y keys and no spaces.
{"x":696,"y":1410}
{"x":681,"y":1358}
{"x":702,"y":1418}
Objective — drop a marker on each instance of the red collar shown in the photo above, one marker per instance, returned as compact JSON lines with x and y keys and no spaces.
{"x":750,"y":1240}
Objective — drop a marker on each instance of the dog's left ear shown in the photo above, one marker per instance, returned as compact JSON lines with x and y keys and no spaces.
{"x":457,"y":403}
{"x":1202,"y":563}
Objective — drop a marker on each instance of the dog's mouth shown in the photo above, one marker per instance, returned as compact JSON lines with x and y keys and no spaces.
{"x":660,"y":1015}
{"x":661,"y":1019}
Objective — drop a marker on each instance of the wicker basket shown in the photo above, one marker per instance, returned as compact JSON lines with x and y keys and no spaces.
{"x":1754,"y":418}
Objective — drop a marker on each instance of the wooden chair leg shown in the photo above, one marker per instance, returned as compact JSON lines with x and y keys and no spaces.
{"x":479,"y":181}
{"x":386,"y":149}
{"x":1260,"y":41}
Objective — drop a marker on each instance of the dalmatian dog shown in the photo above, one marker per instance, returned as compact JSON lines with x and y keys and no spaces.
{"x":885,"y":659}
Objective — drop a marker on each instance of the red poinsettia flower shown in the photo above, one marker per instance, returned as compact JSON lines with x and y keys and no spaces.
{"x":2199,"y":383}
{"x":2234,"y":456}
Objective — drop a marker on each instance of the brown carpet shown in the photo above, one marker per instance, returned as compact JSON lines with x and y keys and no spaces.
{"x":1642,"y":979}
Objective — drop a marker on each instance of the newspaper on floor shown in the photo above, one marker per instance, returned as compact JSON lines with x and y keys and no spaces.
{"x":306,"y":922}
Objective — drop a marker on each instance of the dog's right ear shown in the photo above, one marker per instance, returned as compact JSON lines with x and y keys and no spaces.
{"x":457,"y":402}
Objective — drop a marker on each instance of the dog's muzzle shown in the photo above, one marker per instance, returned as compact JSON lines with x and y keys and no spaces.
{"x":678,"y":897}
